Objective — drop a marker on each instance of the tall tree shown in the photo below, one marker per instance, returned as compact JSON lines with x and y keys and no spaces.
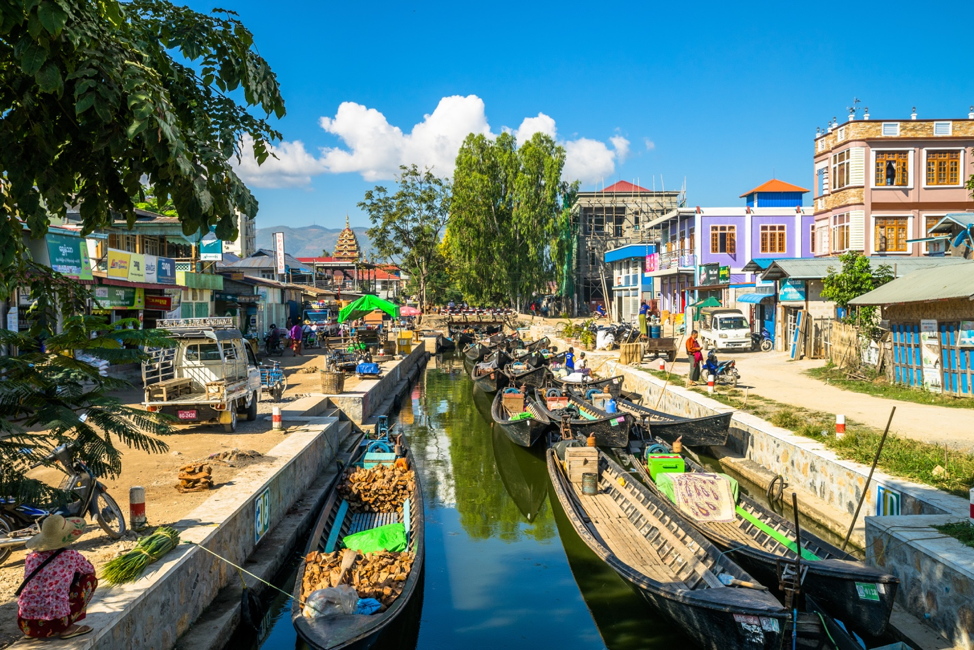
{"x":97,"y":96}
{"x":855,"y":278}
{"x":406,"y":226}
{"x":506,"y":202}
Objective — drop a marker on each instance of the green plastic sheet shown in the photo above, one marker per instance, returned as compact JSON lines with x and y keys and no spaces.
{"x":384,"y":538}
{"x":366,"y":305}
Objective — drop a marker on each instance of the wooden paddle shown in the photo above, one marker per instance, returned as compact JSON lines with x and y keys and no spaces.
{"x":348,"y":559}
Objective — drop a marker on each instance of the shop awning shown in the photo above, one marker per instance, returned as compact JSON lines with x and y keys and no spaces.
{"x":132,"y":285}
{"x":753,"y":298}
{"x":365,"y":305}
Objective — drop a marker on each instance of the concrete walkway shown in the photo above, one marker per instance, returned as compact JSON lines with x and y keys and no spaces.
{"x":773,"y":375}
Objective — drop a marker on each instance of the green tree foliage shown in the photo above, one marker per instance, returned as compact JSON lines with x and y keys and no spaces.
{"x":506,"y":204}
{"x":563,"y":243}
{"x":49,"y":396}
{"x":98,"y":95}
{"x":406,"y":226}
{"x":855,"y":278}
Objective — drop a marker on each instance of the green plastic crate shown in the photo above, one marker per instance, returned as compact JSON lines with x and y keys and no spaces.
{"x":665,"y":464}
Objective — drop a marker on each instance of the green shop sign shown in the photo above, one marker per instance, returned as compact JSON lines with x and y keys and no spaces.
{"x":69,"y":255}
{"x":723,"y":274}
{"x":119,"y":298}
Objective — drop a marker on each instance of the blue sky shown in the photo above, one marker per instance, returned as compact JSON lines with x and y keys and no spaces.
{"x":723,"y":95}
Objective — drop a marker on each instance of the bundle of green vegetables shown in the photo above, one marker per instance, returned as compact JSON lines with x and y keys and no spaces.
{"x":129,"y":566}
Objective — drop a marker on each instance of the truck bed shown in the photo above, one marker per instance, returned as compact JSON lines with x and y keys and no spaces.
{"x":233,"y":391}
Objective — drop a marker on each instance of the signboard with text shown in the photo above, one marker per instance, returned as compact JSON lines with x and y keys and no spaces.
{"x":136,"y":267}
{"x":211,"y":247}
{"x":159,"y":303}
{"x":118,"y":264}
{"x":165,"y":270}
{"x":792,"y":290}
{"x":709,"y":273}
{"x":279,"y":252}
{"x":119,"y":298}
{"x":69,"y":255}
{"x":723,"y":275}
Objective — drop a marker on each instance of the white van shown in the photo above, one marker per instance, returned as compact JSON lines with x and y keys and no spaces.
{"x":724,"y":329}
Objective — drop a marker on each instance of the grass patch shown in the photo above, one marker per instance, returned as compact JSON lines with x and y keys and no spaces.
{"x":960,"y":530}
{"x":876,"y":384}
{"x":921,"y":462}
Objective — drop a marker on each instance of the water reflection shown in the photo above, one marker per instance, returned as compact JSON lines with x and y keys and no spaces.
{"x":523,"y":474}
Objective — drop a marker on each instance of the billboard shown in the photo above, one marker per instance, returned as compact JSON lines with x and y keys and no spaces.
{"x":211,"y":247}
{"x":279,"y":252}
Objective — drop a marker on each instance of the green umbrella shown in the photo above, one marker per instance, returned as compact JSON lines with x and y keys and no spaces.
{"x":366,"y":305}
{"x":700,"y":304}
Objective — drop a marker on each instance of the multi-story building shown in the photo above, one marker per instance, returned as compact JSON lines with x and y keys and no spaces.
{"x":881,"y":183}
{"x":608,"y":219}
{"x":246,"y":244}
{"x":772,"y":224}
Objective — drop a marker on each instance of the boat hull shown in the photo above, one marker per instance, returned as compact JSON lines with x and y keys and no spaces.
{"x":708,"y":431}
{"x":612,"y":385}
{"x":534,"y":378}
{"x":524,"y":433}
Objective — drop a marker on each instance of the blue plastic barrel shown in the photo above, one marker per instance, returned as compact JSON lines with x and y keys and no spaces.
{"x":654,"y":331}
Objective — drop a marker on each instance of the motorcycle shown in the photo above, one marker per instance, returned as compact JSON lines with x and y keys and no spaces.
{"x":21,"y":521}
{"x":762,"y":341}
{"x":726,"y":370}
{"x":274,"y":346}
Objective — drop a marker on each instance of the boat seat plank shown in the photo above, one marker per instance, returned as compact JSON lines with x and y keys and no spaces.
{"x":336,"y":528}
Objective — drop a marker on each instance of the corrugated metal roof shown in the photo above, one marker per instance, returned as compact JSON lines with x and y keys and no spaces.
{"x":775,"y":185}
{"x":938,"y":283}
{"x":756,"y":266}
{"x":814,"y":268}
{"x":962,"y":219}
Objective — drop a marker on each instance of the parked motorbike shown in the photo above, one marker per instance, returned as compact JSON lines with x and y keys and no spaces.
{"x":721,"y":370}
{"x":21,"y":521}
{"x":762,"y":341}
{"x":311,"y":340}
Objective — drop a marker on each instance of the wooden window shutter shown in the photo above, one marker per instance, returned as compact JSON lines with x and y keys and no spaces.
{"x":764,"y":240}
{"x":857,"y":166}
{"x":857,"y":230}
{"x":782,"y":244}
{"x":731,"y":240}
{"x":714,"y":240}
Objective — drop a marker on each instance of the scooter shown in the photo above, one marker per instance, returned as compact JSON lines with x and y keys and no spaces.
{"x":720,"y":369}
{"x":21,"y":521}
{"x":274,"y":346}
{"x":762,"y":341}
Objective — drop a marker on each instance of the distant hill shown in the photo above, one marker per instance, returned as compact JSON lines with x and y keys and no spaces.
{"x":308,"y":241}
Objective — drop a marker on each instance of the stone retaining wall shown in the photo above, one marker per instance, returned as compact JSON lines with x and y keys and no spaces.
{"x":358,"y":405}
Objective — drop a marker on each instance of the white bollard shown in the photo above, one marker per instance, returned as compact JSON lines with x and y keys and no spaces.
{"x":276,"y":419}
{"x":839,"y":427}
{"x":710,"y":384}
{"x":137,"y":507}
{"x":662,"y":363}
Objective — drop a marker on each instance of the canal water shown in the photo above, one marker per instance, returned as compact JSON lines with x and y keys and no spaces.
{"x":504,"y":568}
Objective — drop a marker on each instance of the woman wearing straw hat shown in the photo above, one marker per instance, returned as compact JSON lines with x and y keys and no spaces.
{"x":59,"y":582}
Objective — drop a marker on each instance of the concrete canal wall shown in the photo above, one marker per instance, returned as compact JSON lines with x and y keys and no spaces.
{"x":238,"y":519}
{"x":360,"y":404}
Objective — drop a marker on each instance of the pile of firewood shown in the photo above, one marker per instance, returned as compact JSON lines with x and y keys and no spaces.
{"x":377,"y":489}
{"x":379,"y":575}
{"x":195,"y":477}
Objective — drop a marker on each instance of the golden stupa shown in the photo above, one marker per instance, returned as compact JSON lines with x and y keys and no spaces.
{"x":347,"y":247}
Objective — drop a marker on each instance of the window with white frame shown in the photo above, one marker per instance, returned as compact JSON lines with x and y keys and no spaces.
{"x":891,"y":129}
{"x":890,"y":234}
{"x":840,"y":170}
{"x":822,"y":180}
{"x":942,"y":128}
{"x":723,"y":239}
{"x":821,"y":144}
{"x":823,"y":240}
{"x":840,"y":233}
{"x":943,"y":168}
{"x":841,"y":134}
{"x":892,"y":168}
{"x":773,"y":238}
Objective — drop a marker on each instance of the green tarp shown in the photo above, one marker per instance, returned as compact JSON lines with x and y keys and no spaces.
{"x":697,"y":306}
{"x":366,"y":305}
{"x":384,"y":538}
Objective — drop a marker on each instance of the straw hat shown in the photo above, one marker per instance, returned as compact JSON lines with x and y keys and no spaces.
{"x":57,"y":532}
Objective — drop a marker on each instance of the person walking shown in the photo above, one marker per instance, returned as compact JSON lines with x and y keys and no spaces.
{"x":296,"y":338}
{"x":643,"y":312}
{"x":58,"y":584}
{"x":694,"y":356}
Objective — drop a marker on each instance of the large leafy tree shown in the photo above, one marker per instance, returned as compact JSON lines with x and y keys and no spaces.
{"x":100,"y":96}
{"x":853,"y":279}
{"x":406,"y":226}
{"x":506,"y":203}
{"x":52,"y":393}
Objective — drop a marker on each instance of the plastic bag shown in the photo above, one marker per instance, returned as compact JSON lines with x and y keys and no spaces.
{"x":333,"y":601}
{"x":384,"y":538}
{"x":368,"y":606}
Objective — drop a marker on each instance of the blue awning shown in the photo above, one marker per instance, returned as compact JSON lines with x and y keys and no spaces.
{"x":754,"y":298}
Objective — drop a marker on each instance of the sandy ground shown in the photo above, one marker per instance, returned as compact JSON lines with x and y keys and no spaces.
{"x":157,"y":474}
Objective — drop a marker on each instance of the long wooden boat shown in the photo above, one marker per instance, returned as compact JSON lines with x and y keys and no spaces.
{"x":707,"y":431}
{"x":610,"y":430}
{"x":334,"y":523}
{"x":488,"y":376}
{"x":859,"y":595}
{"x":675,"y":569}
{"x":524,"y":432}
{"x":523,"y":474}
{"x":540,"y":344}
{"x":611,"y":385}
{"x":523,"y":374}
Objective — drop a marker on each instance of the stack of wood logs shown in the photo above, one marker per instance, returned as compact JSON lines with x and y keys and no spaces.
{"x":195,"y":477}
{"x":379,"y":575}
{"x":377,"y":489}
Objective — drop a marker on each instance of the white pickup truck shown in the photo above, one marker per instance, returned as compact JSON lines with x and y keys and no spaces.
{"x":724,"y":329}
{"x":211,"y":375}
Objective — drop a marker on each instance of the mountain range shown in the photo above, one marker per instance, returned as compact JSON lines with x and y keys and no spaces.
{"x":309,"y":241}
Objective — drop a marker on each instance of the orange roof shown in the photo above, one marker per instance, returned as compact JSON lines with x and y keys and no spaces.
{"x":775,"y":186}
{"x":624,"y":186}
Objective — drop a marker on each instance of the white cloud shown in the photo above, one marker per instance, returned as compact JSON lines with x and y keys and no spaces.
{"x":650,"y":145}
{"x":374,"y":148}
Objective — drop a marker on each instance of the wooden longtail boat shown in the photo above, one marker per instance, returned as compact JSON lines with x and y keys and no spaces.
{"x":674,"y":568}
{"x":849,"y":590}
{"x":334,"y":523}
{"x":523,"y":374}
{"x":707,"y":431}
{"x":612,"y":385}
{"x":487,"y":375}
{"x":611,"y":430}
{"x":524,"y":432}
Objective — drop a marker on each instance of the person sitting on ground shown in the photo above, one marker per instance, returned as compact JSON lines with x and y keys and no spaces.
{"x":694,"y":356}
{"x":570,"y":360}
{"x":582,"y":365}
{"x":59,"y":582}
